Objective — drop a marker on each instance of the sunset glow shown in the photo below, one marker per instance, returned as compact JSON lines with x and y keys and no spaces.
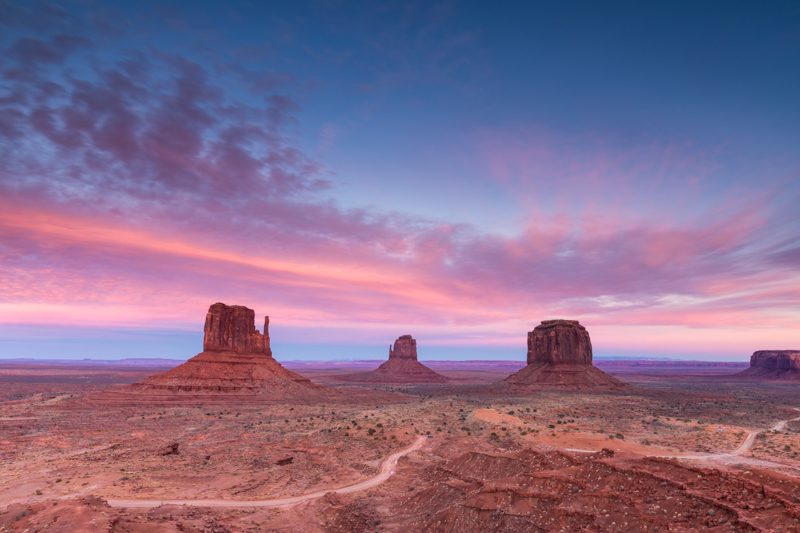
{"x":452,"y":181}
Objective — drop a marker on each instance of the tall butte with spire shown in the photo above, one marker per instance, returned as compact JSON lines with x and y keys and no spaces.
{"x":236,"y":359}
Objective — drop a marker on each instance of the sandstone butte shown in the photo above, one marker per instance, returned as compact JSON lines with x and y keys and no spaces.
{"x":560,"y":356}
{"x":773,"y":364}
{"x":401,"y":367}
{"x":236,"y":359}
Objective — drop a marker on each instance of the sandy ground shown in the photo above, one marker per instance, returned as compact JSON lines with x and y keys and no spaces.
{"x":384,"y":472}
{"x":364,"y":465}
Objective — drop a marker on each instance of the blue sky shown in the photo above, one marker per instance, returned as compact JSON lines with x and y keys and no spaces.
{"x":456,"y":170}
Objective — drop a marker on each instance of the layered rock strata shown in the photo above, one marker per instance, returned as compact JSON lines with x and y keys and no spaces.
{"x":556,"y":342}
{"x":405,"y":347}
{"x":236,"y":359}
{"x":560,"y":355}
{"x":776,"y":364}
{"x":401,"y":367}
{"x":231,"y":328}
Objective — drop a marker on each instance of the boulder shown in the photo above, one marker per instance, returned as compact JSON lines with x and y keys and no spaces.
{"x":172,"y":449}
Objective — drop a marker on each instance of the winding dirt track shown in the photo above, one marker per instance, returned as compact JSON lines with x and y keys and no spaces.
{"x":736,"y":456}
{"x":388,"y":466}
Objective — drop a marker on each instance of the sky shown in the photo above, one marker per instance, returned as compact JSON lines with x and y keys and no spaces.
{"x":357,"y":171}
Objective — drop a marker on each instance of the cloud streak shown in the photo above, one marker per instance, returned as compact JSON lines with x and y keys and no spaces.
{"x":136,"y":190}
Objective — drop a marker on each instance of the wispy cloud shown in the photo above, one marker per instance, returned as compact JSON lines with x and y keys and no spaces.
{"x":138,"y":189}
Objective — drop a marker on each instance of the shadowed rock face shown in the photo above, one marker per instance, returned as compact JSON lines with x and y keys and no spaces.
{"x":559,"y":342}
{"x":560,"y":356}
{"x":773,"y":364}
{"x":236,"y":360}
{"x":231,"y":328}
{"x":405,"y":347}
{"x":401,"y":367}
{"x":776,"y":359}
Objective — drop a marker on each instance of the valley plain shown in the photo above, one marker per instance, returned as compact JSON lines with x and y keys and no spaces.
{"x":685,"y":447}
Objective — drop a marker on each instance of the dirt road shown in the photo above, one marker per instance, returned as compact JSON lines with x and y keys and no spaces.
{"x":387,"y":468}
{"x":389,"y":464}
{"x":737,"y":456}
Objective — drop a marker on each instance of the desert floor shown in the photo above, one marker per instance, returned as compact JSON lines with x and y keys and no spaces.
{"x":687,"y":447}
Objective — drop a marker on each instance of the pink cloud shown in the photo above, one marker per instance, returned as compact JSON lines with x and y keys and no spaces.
{"x":138,"y":197}
{"x":554,"y":173}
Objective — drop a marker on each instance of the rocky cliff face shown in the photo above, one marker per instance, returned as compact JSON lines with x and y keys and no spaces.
{"x":776,"y":360}
{"x":560,"y":356}
{"x":401,"y":367}
{"x":405,"y":347}
{"x":231,"y":328}
{"x":236,"y":361}
{"x":559,"y":342}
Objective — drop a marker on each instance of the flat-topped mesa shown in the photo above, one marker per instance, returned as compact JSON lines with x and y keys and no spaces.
{"x":559,"y":342}
{"x":777,"y":360}
{"x":232,"y":328}
{"x":560,"y":356}
{"x":773,"y":364}
{"x":405,"y":347}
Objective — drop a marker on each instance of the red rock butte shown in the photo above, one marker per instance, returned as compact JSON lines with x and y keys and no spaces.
{"x":405,"y":347}
{"x":232,"y":328}
{"x":401,"y":367}
{"x":560,"y":355}
{"x":773,"y":364}
{"x":236,"y":359}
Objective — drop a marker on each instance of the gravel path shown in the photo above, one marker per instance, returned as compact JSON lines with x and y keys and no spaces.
{"x":388,"y":466}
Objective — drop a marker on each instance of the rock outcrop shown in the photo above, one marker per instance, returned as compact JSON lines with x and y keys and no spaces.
{"x":236,"y":360}
{"x":560,"y":355}
{"x":774,"y":364}
{"x":232,"y":328}
{"x":405,"y":347}
{"x":401,"y":367}
{"x":558,"y":342}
